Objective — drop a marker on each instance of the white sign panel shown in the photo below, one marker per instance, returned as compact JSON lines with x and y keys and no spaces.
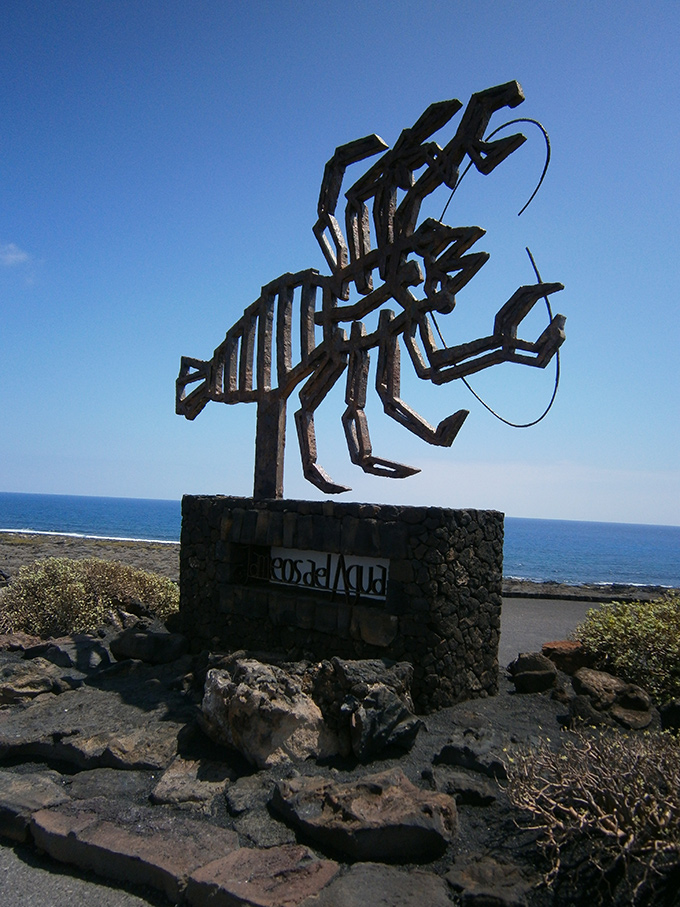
{"x":322,"y":571}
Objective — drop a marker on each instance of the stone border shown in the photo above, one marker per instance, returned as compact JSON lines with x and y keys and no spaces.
{"x":443,"y":602}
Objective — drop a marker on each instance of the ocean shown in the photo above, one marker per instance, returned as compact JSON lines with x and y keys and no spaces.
{"x":564,"y":551}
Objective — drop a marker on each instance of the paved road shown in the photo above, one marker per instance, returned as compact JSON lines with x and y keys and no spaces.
{"x":27,"y":880}
{"x":526,"y":623}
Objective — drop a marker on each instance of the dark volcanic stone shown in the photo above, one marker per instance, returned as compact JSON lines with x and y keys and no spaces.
{"x":141,"y":846}
{"x":276,"y":877}
{"x":21,"y":795}
{"x":379,"y":721}
{"x":151,"y":646}
{"x":567,"y":655}
{"x":467,"y":787}
{"x":21,"y":681}
{"x":376,"y":885}
{"x":476,"y":751}
{"x":81,"y":651}
{"x":379,"y":817}
{"x":130,"y":720}
{"x":533,"y":673}
{"x":600,"y":687}
{"x":489,"y":883}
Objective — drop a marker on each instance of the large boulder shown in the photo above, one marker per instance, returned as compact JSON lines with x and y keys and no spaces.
{"x":379,"y":818}
{"x":289,"y":712}
{"x":532,"y":672}
{"x":567,"y":655}
{"x":368,"y":703}
{"x":262,"y":712}
{"x":600,"y":687}
{"x":602,"y":698}
{"x":378,"y":721}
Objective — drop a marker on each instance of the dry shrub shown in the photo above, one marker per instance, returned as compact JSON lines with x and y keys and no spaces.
{"x":639,"y":641}
{"x":608,"y":808}
{"x":57,"y":596}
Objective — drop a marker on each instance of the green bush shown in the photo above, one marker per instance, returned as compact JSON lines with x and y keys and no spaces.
{"x":57,"y":596}
{"x":638,"y":641}
{"x":608,"y":810}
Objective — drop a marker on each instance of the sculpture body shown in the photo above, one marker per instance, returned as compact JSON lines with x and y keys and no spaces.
{"x":419,"y":267}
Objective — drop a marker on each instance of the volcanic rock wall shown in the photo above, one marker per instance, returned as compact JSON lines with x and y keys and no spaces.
{"x":432,"y":598}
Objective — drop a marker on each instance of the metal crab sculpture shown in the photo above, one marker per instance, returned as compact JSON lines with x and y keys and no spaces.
{"x":255,"y":362}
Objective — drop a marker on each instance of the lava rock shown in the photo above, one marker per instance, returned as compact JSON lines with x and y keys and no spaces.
{"x":604,"y":699}
{"x":378,"y":885}
{"x":601,"y":688}
{"x":492,"y":883}
{"x":467,"y":788}
{"x":82,"y":651}
{"x":533,"y":673}
{"x":382,"y":818}
{"x":475,"y":750}
{"x":380,"y":720}
{"x":568,"y":655}
{"x":150,"y":646}
{"x":261,"y":711}
{"x":22,"y":681}
{"x":276,"y":877}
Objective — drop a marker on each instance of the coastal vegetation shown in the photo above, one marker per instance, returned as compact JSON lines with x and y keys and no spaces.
{"x":607,"y":803}
{"x":638,"y":641}
{"x":608,"y":810}
{"x":58,"y":596}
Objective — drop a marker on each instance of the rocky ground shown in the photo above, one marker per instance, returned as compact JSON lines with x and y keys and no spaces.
{"x":105,"y":765}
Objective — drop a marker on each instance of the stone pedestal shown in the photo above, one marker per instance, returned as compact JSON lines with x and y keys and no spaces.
{"x":310,"y":579}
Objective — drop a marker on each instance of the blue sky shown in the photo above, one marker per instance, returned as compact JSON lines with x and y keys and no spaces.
{"x":161,"y":161}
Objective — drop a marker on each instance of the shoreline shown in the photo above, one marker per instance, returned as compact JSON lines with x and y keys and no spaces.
{"x":85,"y":537}
{"x":21,"y":547}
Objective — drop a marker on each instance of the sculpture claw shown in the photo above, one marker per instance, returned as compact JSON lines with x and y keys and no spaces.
{"x":550,"y":340}
{"x":449,"y":427}
{"x":320,"y":478}
{"x":389,"y":469}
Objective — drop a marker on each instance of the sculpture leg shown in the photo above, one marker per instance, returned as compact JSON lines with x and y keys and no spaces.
{"x":388,"y":387}
{"x":311,"y":395}
{"x":354,"y":418}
